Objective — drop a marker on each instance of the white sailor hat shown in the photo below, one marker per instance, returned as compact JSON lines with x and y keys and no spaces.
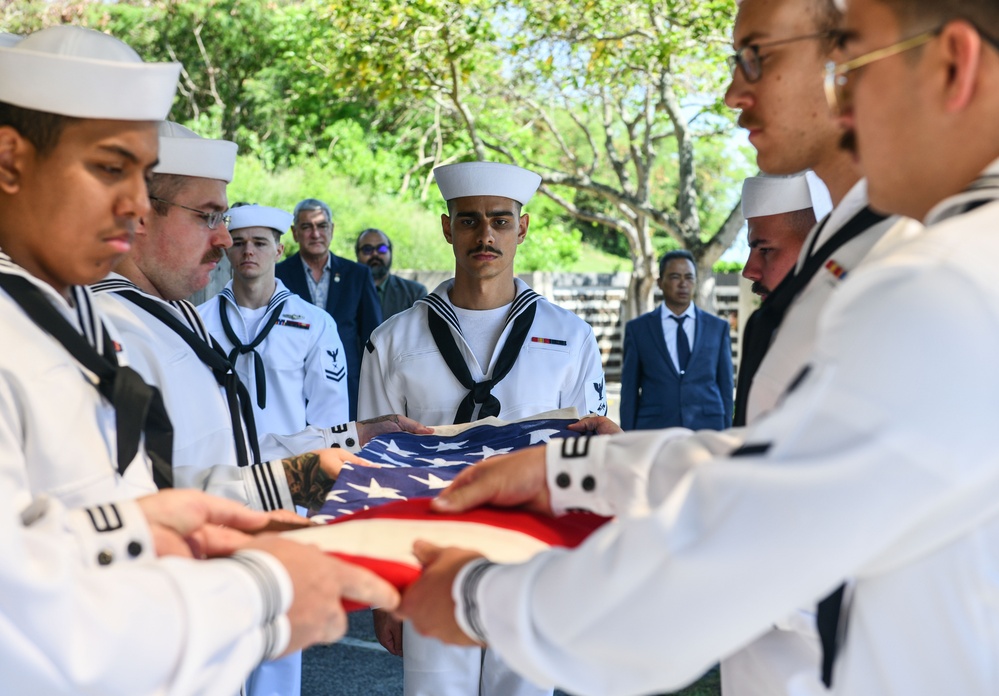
{"x":72,"y":71}
{"x":486,"y":179}
{"x":773,"y":195}
{"x":259,"y":216}
{"x":185,"y":153}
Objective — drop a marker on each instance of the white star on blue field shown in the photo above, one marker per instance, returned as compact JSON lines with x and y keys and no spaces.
{"x":420,"y":466}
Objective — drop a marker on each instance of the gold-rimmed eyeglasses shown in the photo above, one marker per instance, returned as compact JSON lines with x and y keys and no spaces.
{"x":211,"y":218}
{"x":837,"y":81}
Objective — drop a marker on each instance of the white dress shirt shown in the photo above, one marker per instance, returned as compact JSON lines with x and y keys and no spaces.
{"x":669,"y":330}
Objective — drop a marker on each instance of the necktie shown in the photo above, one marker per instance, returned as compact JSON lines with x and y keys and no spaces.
{"x":479,"y":392}
{"x":138,"y":407}
{"x":239,"y":348}
{"x":682,"y":344}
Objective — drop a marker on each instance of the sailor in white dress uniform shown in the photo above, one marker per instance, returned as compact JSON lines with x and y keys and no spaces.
{"x":481,"y":344}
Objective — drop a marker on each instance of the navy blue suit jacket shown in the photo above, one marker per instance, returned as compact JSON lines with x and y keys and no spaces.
{"x":352,"y":302}
{"x":654,"y":395}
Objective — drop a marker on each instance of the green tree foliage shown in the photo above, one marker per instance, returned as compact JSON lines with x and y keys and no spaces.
{"x":615,"y":102}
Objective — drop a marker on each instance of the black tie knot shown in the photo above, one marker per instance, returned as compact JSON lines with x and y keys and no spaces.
{"x":481,"y":391}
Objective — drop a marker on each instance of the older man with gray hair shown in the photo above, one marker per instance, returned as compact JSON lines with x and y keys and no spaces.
{"x":342,"y":287}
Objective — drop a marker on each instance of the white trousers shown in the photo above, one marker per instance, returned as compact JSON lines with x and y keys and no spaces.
{"x":432,"y":668}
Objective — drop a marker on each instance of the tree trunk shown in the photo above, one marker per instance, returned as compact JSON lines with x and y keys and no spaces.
{"x":641,"y":287}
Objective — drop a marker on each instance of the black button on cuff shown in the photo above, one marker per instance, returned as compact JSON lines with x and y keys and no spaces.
{"x":105,"y":558}
{"x":563,"y":480}
{"x":589,"y":483}
{"x":134,"y":548}
{"x":350,"y":442}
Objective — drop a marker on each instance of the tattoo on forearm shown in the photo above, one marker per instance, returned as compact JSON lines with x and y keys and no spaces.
{"x":308,"y":482}
{"x":381,"y":419}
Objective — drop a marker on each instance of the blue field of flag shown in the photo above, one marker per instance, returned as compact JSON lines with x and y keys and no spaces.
{"x":420,"y":466}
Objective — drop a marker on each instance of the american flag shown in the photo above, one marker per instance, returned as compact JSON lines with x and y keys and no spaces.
{"x":420,"y":466}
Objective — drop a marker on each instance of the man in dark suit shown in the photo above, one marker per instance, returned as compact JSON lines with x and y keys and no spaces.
{"x":677,"y":359}
{"x":373,"y":248}
{"x":343,"y":288}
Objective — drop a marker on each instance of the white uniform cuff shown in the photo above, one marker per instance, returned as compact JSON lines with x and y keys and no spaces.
{"x":267,"y":486}
{"x":112,"y":533}
{"x":277,"y":591}
{"x":576,"y":475}
{"x":464,"y":592}
{"x":344,"y":436}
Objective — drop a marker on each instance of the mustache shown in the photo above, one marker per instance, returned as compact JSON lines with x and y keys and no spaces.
{"x":849,"y":141}
{"x":759,"y":288}
{"x":213,"y":256}
{"x":747,"y":122}
{"x":483,"y":249}
{"x":375,"y":261}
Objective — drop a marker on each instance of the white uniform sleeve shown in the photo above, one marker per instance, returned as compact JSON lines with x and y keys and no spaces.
{"x":260,"y":487}
{"x":326,"y":378}
{"x":375,"y":394}
{"x":589,"y":391}
{"x":283,"y":446}
{"x":854,"y":462}
{"x":77,"y":619}
{"x":630,"y":473}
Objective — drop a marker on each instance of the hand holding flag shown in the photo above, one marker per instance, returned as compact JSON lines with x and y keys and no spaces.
{"x":511,"y":480}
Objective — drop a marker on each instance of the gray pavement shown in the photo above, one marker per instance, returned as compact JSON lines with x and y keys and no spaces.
{"x":355,"y":666}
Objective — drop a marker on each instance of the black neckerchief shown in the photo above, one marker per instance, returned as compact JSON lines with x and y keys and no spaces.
{"x":762,"y":324}
{"x":480,"y":392}
{"x":215,"y":359}
{"x":240,"y":348}
{"x":138,"y":407}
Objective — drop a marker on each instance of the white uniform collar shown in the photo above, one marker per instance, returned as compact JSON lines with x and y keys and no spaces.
{"x":115,"y":282}
{"x":853,"y":202}
{"x":439,"y":302}
{"x":280,"y":294}
{"x":954,"y":205}
{"x":80,"y":313}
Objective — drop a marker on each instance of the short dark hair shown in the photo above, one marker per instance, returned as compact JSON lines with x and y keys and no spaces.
{"x":39,"y":128}
{"x":911,"y":14}
{"x":673,"y":255}
{"x":165,"y":186}
{"x":357,"y":242}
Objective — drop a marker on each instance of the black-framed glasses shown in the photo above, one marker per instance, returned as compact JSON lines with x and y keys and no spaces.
{"x":368,"y":249}
{"x":748,"y":57}
{"x":211,"y":218}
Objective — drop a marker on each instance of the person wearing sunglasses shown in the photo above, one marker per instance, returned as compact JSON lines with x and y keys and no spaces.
{"x":374,"y":249}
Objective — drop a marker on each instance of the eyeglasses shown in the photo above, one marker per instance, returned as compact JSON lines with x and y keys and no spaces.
{"x":837,"y":81}
{"x":212,"y":219}
{"x":748,"y":57}
{"x":367,"y":249}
